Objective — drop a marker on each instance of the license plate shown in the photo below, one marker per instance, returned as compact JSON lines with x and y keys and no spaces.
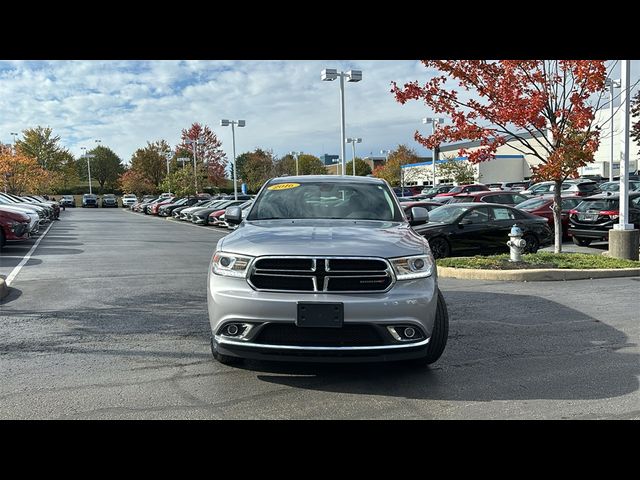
{"x":311,"y":314}
{"x":588,"y":217}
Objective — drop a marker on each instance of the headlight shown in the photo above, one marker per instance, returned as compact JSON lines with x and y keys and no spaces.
{"x":408,"y":268}
{"x":230,"y":264}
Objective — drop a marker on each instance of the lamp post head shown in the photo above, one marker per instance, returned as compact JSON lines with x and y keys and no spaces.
{"x":354,"y":75}
{"x":241,"y":123}
{"x":328,"y":74}
{"x":224,"y":123}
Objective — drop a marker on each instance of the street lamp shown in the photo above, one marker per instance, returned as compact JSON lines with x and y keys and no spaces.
{"x":15,"y":136}
{"x":233,"y":123}
{"x":88,"y":156}
{"x":193,"y":143}
{"x":353,"y":142}
{"x":168,"y":155}
{"x":611,"y":84}
{"x":296,"y":155}
{"x":183,"y":160}
{"x":433,"y":122}
{"x":328,"y":75}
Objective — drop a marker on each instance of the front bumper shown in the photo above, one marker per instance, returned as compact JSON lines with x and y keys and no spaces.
{"x":409,"y":302}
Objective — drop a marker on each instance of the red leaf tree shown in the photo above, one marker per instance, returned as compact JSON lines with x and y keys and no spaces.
{"x":545,"y":108}
{"x":210,"y":154}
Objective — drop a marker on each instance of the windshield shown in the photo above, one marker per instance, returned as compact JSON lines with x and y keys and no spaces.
{"x":455,"y":189}
{"x":532,"y":204}
{"x":446,"y":213}
{"x":598,"y":204}
{"x":339,"y":200}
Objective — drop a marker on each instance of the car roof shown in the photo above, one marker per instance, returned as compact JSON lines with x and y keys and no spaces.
{"x":328,"y":179}
{"x":482,"y":193}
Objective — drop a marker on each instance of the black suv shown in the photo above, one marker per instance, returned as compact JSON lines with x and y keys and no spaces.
{"x":595,"y":216}
{"x":109,"y":200}
{"x":89,"y":200}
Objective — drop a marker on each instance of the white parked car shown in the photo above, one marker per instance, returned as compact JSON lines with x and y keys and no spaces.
{"x":129,"y":199}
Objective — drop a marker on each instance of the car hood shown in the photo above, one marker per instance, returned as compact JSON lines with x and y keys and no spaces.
{"x":324,"y":237}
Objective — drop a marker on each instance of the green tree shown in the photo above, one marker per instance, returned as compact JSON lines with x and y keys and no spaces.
{"x":392,"y":169}
{"x":257,"y":169}
{"x":458,"y":171}
{"x":362,"y":168}
{"x":106,"y":166}
{"x":182,"y":182}
{"x":286,"y":165}
{"x":68,"y":173}
{"x":310,"y":165}
{"x":151,"y":162}
{"x":40,"y":143}
{"x":240,"y":162}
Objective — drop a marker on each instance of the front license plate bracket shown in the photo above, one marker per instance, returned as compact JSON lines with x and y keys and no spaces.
{"x":320,"y":314}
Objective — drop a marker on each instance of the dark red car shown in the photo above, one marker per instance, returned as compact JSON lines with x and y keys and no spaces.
{"x":13,"y":226}
{"x":543,"y":207}
{"x":502,"y":197}
{"x":473,"y":187}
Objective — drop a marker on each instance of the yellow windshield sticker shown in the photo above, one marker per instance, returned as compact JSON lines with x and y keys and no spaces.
{"x":283,"y":186}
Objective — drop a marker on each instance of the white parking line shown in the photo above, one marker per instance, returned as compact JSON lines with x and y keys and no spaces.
{"x":18,"y":267}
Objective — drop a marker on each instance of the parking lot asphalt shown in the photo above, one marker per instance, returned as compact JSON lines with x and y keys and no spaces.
{"x":108,"y":320}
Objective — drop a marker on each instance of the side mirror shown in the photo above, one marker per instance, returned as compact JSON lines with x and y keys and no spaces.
{"x":418,"y":216}
{"x":465,"y":221}
{"x":233,"y":215}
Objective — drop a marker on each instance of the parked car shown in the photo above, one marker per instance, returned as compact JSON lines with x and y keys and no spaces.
{"x":440,"y":188}
{"x":467,"y":188}
{"x":515,"y":186}
{"x":543,"y":207}
{"x":200,"y":216}
{"x":592,"y":218}
{"x":634,"y":186}
{"x":216,"y":218}
{"x":403,"y":192}
{"x":37,"y":212}
{"x":477,"y":228}
{"x":501,"y":197}
{"x":68,"y":201}
{"x":14,"y":225}
{"x":407,"y":206}
{"x":89,"y":200}
{"x":128,"y":199}
{"x":109,"y":200}
{"x":583,"y":188}
{"x":325,"y":268}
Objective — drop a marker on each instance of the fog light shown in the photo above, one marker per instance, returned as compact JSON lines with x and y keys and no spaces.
{"x":409,"y":332}
{"x":232,"y":329}
{"x":405,"y":333}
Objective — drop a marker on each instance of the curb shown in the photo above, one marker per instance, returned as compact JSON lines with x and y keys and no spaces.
{"x":536,"y":275}
{"x":4,"y":290}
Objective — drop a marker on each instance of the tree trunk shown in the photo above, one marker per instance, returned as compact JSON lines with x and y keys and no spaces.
{"x":557,"y":216}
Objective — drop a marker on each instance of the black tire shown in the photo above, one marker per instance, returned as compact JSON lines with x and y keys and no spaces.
{"x":532,"y":245}
{"x":583,"y":242}
{"x":439,"y":335}
{"x":439,"y":247}
{"x":2,"y":241}
{"x":224,"y":359}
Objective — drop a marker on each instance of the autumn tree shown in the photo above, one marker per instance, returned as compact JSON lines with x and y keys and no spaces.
{"x":136,"y":182}
{"x":635,"y":113}
{"x":392,"y":169}
{"x":209,"y":153}
{"x":362,"y":168}
{"x":257,"y":169}
{"x":545,"y":108}
{"x":151,"y":162}
{"x":459,"y":171}
{"x":20,"y":173}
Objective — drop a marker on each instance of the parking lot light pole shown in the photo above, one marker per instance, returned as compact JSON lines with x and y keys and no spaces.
{"x":193,"y":143}
{"x":233,"y":123}
{"x":295,"y":156}
{"x":611,"y":84}
{"x":353,"y":142}
{"x":434,"y":154}
{"x":88,"y":156}
{"x":328,"y":75}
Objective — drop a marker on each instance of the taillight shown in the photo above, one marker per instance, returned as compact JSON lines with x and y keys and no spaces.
{"x":573,"y":211}
{"x":613,"y":214}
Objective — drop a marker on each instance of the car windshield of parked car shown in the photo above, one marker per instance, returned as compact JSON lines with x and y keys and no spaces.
{"x":532,"y":204}
{"x":598,"y":204}
{"x":610,"y":186}
{"x":447,"y":213}
{"x":455,"y":190}
{"x":307,"y":200}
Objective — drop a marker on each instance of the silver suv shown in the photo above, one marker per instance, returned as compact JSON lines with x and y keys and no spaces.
{"x":325,"y":268}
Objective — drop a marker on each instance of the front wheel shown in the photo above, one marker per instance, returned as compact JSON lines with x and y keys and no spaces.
{"x":583,"y":242}
{"x":439,"y":247}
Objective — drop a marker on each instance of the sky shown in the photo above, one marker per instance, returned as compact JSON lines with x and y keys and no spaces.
{"x":286,"y":106}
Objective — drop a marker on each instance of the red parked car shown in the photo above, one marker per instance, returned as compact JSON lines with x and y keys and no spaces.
{"x":502,"y":197}
{"x":543,"y":207}
{"x":13,"y":226}
{"x":473,"y":187}
{"x":153,"y":209}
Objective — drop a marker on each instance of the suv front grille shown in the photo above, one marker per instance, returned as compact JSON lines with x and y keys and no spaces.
{"x":321,"y":274}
